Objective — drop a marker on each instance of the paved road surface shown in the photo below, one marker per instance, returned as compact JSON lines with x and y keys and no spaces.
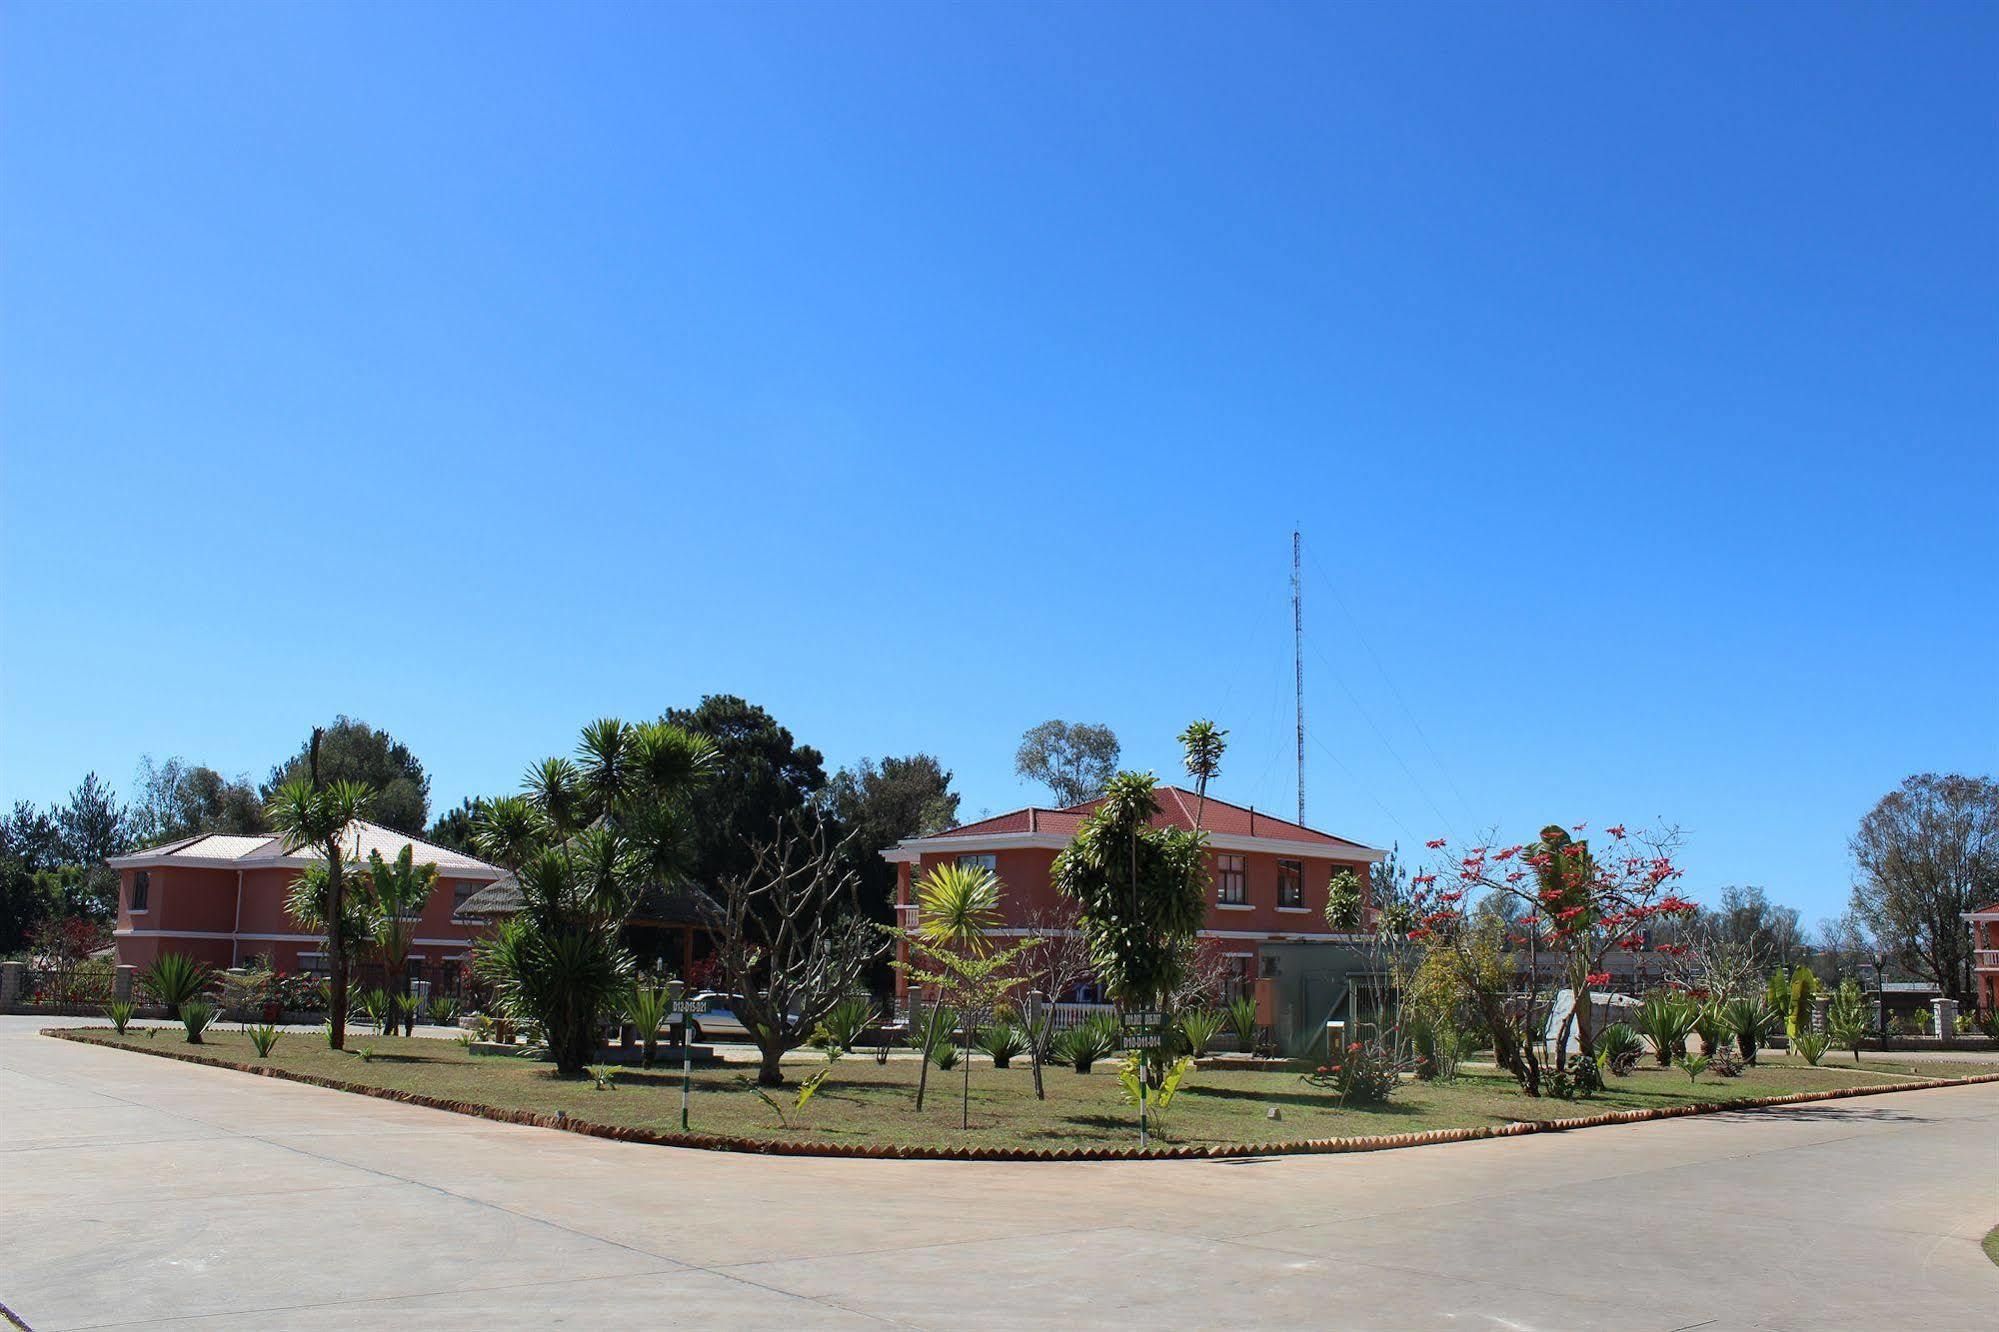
{"x":140,"y":1192}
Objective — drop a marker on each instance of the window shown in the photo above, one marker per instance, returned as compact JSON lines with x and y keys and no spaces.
{"x":988,"y":863}
{"x":142,"y":887}
{"x":1232,"y":880}
{"x":460,"y":892}
{"x":1291,"y":883}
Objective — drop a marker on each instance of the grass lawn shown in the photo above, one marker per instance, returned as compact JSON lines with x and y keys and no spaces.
{"x":869,"y":1104}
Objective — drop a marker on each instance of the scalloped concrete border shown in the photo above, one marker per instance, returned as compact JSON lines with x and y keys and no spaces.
{"x":755,"y":1146}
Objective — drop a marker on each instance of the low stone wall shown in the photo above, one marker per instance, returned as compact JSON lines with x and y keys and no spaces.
{"x":1304,"y":1147}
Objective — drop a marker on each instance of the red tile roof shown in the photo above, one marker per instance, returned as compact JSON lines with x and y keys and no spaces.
{"x":1176,"y":810}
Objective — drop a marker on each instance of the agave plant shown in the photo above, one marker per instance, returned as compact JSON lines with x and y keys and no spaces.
{"x":1082,"y":1045}
{"x":173,"y":980}
{"x":1003,"y":1041}
{"x":120,"y":1014}
{"x":945,"y":1055}
{"x":1748,"y":1020}
{"x":443,"y":1010}
{"x":376,"y":1006}
{"x":263,"y":1037}
{"x":1199,"y":1027}
{"x":1711,"y":1026}
{"x":1618,"y":1048}
{"x":1242,"y":1021}
{"x":1666,"y":1019}
{"x":842,"y":1028}
{"x":195,"y":1015}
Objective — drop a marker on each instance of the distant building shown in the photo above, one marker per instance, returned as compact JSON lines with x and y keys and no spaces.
{"x":1985,"y":957}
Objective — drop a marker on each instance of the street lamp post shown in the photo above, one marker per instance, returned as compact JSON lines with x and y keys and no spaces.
{"x":1881,"y":991}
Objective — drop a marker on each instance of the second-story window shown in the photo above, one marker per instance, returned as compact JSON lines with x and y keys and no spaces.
{"x":1290,"y":883}
{"x":989,"y":863}
{"x":1232,"y":880}
{"x":142,"y":885}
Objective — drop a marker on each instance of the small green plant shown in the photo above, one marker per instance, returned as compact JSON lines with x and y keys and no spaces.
{"x":375,"y":1005}
{"x":1579,"y":1078}
{"x":263,"y":1037}
{"x":1846,"y":1017}
{"x":1198,"y":1029}
{"x":120,"y":1014}
{"x":1003,"y":1041}
{"x":1811,"y":1045}
{"x":195,"y":1015}
{"x":945,"y":1056}
{"x":1988,"y":1024}
{"x":326,"y":1033}
{"x":443,"y":1010}
{"x":366,"y":1054}
{"x":1711,"y":1025}
{"x":1364,"y":1073}
{"x":174,"y":979}
{"x":771,"y":1102}
{"x":810,"y":1087}
{"x":402,"y":1013}
{"x":603,"y":1077}
{"x":1694,"y":1066}
{"x":1618,"y":1048}
{"x":1158,"y":1099}
{"x":1242,"y":1021}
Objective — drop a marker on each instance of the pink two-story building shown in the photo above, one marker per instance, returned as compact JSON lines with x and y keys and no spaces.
{"x":221,"y":899}
{"x":1268,"y":877}
{"x":1985,"y":957}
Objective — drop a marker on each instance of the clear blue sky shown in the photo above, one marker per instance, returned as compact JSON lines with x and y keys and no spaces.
{"x":922,"y":372}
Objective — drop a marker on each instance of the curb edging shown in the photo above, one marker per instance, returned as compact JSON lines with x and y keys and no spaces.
{"x":904,"y":1152}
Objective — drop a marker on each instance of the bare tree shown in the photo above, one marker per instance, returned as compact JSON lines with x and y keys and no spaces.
{"x":1057,"y":963}
{"x":792,"y":941}
{"x":1928,"y":853}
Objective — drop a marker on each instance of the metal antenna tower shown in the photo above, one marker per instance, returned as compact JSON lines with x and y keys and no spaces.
{"x":1298,"y":662}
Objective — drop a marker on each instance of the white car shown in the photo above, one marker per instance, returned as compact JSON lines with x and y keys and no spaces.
{"x":720,"y":1020}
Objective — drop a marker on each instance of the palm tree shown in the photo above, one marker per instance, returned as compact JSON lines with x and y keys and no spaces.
{"x":398,"y":890}
{"x":955,"y":906}
{"x":306,"y":812}
{"x":1203,"y":743}
{"x":583,"y":842}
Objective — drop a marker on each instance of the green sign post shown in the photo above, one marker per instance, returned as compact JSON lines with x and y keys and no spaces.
{"x":682,"y":1007}
{"x":1143,"y":1030}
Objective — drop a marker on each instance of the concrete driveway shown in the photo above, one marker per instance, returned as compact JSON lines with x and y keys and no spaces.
{"x":136,"y":1191}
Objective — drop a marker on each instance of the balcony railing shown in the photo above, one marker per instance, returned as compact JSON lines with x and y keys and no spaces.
{"x":1985,"y":957}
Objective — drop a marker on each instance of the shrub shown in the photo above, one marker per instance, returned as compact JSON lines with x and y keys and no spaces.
{"x":1711,"y":1025}
{"x":1695,"y":1065}
{"x":1198,"y":1028}
{"x":444,"y":1010}
{"x":375,"y":1005}
{"x":603,"y":1077}
{"x":944,"y":1055}
{"x":1618,"y":1047}
{"x":120,"y":1014}
{"x":1003,"y":1041}
{"x":1812,"y":1045}
{"x":1846,"y":1017}
{"x":1447,"y":1047}
{"x":1988,"y":1023}
{"x":645,"y":1007}
{"x":402,"y":1012}
{"x":1724,"y":1062}
{"x":174,"y":979}
{"x":195,"y":1015}
{"x":1159,"y":1099}
{"x":263,"y":1036}
{"x":1365,"y":1073}
{"x":1579,"y":1077}
{"x":1666,"y":1019}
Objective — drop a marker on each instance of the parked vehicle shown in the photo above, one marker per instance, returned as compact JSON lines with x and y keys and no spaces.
{"x":720,"y":1021}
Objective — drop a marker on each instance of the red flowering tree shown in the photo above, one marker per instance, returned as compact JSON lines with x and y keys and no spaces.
{"x":1572,"y":903}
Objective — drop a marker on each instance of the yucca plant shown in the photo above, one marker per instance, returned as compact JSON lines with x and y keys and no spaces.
{"x":120,"y":1014}
{"x":1242,"y":1021}
{"x":1666,"y":1019}
{"x":945,"y":1055}
{"x":402,"y":1013}
{"x":443,"y":1010}
{"x":195,"y":1015}
{"x":1812,"y":1045}
{"x":174,"y":979}
{"x":1711,"y":1026}
{"x":1748,"y":1020}
{"x":1003,"y":1041}
{"x":1198,"y":1028}
{"x":1082,"y":1045}
{"x":646,"y":1008}
{"x":1618,"y":1048}
{"x":263,"y":1036}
